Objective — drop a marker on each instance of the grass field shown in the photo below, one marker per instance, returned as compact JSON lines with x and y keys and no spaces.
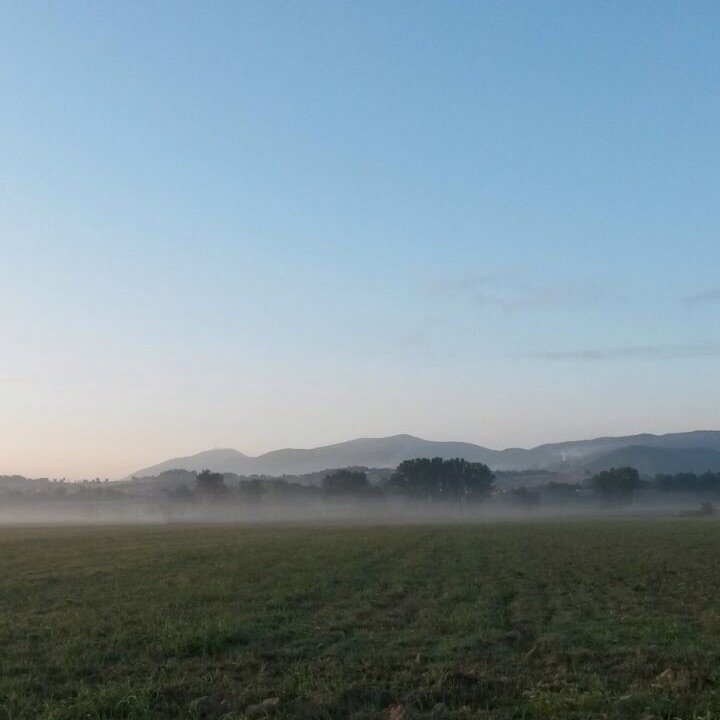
{"x":616,"y":619}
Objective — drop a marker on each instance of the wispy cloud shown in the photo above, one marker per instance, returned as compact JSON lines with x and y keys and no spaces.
{"x":640,"y":352}
{"x":702,"y":298}
{"x":510,"y":292}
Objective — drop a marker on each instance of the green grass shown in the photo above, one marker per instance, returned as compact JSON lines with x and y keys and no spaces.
{"x":615,"y":619}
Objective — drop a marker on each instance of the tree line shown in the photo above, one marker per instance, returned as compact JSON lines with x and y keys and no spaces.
{"x":428,"y":480}
{"x":621,"y":484}
{"x":708,"y":482}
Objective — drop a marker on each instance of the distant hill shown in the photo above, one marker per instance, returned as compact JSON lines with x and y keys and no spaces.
{"x":366,"y":452}
{"x":572,"y":455}
{"x":677,"y":452}
{"x":653,"y":460}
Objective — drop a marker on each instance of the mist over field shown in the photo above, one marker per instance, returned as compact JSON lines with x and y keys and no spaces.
{"x":366,"y":513}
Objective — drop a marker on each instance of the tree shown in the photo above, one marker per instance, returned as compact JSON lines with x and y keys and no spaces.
{"x":418,"y":478}
{"x":680,"y":482}
{"x":211,"y":484}
{"x":468,"y":482}
{"x":688,"y":482}
{"x":436,"y":479}
{"x":616,"y":486}
{"x":181,"y":493}
{"x":250,"y":490}
{"x":348,"y":483}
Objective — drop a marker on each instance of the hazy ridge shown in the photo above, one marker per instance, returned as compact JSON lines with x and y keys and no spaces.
{"x":696,"y":451}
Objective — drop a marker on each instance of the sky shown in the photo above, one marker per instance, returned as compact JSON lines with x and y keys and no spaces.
{"x":287,"y":224}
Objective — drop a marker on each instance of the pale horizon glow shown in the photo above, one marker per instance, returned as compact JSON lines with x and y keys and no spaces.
{"x":261,"y":225}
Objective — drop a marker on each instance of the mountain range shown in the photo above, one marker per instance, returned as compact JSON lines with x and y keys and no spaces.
{"x":697,"y":451}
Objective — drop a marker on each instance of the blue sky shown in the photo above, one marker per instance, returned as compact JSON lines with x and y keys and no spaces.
{"x":267,"y":224}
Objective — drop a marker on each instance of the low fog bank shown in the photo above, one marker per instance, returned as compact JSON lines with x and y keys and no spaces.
{"x":370,"y":512}
{"x":418,"y":491}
